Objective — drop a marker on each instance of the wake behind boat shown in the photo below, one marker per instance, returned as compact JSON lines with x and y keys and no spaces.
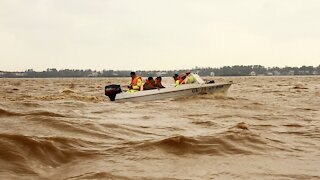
{"x":115,"y":93}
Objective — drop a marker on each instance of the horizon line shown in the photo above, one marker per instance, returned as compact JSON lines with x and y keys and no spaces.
{"x":196,"y":67}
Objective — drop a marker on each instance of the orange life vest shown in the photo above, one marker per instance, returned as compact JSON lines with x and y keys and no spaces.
{"x":178,"y":78}
{"x":149,"y":83}
{"x":135,"y":80}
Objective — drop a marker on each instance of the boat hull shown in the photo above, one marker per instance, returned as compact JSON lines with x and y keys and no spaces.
{"x":173,"y":92}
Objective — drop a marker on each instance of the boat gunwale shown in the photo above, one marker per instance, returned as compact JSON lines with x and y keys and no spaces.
{"x":175,"y":90}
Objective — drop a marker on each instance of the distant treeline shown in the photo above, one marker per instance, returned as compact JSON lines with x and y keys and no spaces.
{"x":253,"y":70}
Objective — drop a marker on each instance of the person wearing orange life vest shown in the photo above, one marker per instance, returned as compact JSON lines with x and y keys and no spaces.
{"x":135,"y":84}
{"x":149,"y":84}
{"x":158,"y":83}
{"x":177,"y":79}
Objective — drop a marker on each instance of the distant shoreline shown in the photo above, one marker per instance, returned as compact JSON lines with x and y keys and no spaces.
{"x":114,"y":77}
{"x":251,"y":70}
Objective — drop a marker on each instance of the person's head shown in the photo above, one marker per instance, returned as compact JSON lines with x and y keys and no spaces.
{"x":188,"y":72}
{"x":132,"y":74}
{"x":150,"y":78}
{"x":175,"y":76}
{"x":159,"y":78}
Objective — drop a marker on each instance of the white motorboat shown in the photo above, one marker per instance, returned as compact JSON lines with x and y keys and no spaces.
{"x":115,"y":93}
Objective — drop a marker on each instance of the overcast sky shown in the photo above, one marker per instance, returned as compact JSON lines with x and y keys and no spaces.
{"x":157,"y":34}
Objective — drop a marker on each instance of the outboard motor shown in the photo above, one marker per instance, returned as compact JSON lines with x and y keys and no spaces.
{"x":112,"y":90}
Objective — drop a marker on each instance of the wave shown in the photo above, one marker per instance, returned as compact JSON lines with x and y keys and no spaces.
{"x":75,"y":129}
{"x":306,"y":109}
{"x":204,"y":123}
{"x":44,"y":113}
{"x":67,"y":91}
{"x":30,"y":104}
{"x":4,"y":112}
{"x":236,"y":140}
{"x":71,"y":95}
{"x":26,"y":153}
{"x":299,"y":87}
{"x":98,"y":175}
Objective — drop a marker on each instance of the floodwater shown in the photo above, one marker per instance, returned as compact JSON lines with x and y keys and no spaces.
{"x":264,"y":128}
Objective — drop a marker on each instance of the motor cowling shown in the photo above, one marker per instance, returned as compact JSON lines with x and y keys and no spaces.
{"x":112,"y":90}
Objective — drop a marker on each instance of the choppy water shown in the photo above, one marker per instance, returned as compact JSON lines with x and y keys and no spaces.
{"x":264,"y":128}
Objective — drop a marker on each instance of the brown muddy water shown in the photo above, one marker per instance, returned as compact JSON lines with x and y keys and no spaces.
{"x":264,"y":128}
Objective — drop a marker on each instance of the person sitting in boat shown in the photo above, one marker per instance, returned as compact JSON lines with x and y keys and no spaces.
{"x":177,"y":79}
{"x":158,"y":83}
{"x":149,"y":84}
{"x":189,"y":78}
{"x":136,"y":83}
